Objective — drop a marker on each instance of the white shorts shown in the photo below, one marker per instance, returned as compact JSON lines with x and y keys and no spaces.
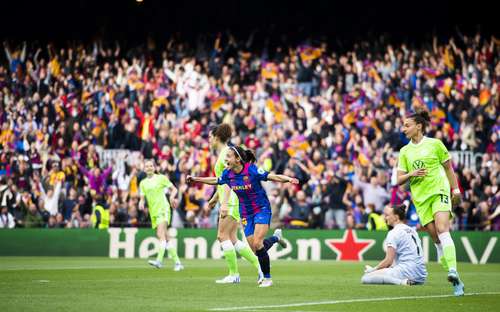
{"x":407,"y":273}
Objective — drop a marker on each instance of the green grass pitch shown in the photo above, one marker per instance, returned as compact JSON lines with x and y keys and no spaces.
{"x":119,"y":285}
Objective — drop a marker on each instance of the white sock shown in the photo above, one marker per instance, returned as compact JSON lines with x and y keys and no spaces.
{"x":227,"y":245}
{"x":164,"y":244}
{"x":239,"y":245}
{"x":446,"y":240}
{"x":439,"y":249}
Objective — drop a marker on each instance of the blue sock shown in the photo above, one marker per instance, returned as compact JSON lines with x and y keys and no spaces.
{"x":264,"y":261}
{"x":269,"y":242}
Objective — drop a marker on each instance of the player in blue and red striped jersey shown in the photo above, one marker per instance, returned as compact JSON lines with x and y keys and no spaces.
{"x":244,"y":178}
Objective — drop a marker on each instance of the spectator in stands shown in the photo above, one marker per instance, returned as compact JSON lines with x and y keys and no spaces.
{"x":96,"y":178}
{"x":6,"y":219}
{"x":33,"y":217}
{"x":309,"y":110}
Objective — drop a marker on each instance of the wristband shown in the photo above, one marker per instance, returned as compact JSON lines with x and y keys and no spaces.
{"x":456,"y":191}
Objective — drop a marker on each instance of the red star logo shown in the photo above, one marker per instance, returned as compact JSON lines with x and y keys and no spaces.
{"x":349,"y":247}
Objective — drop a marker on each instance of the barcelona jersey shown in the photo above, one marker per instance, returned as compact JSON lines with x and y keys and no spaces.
{"x":246,"y":185}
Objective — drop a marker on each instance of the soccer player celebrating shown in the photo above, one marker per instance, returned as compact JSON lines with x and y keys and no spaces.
{"x":244,"y":178}
{"x":153,"y":189}
{"x":426,"y":163}
{"x":229,"y":218}
{"x":403,"y":246}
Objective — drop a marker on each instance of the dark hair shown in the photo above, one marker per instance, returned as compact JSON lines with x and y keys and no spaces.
{"x":400,"y":211}
{"x":246,"y":156}
{"x":223,"y":132}
{"x":250,"y":156}
{"x":421,"y":117}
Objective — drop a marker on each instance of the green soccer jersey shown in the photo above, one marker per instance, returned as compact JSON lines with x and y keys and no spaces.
{"x":233,"y":202}
{"x":153,"y":189}
{"x":429,"y":154}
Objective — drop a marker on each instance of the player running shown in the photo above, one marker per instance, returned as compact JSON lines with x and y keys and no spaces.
{"x":245,"y":178}
{"x":426,"y":163}
{"x":403,"y":247}
{"x":153,"y":189}
{"x":229,"y":216}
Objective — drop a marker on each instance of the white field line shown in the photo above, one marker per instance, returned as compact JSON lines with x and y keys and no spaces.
{"x":315,"y":303}
{"x":89,"y":267}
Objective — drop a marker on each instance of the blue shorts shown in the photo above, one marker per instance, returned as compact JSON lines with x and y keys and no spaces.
{"x":250,"y":221}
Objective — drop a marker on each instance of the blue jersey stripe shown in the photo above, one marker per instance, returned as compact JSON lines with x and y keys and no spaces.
{"x":247,"y":186}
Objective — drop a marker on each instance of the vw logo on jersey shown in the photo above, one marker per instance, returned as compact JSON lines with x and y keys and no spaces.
{"x":418,"y":164}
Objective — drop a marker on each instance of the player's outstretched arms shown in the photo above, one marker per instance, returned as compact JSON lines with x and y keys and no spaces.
{"x":282,"y":178}
{"x":205,"y":180}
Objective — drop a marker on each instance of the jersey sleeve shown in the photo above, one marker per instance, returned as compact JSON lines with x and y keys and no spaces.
{"x":224,"y":178}
{"x":259,"y":173}
{"x":165,"y":182}
{"x":391,"y":240}
{"x":442,"y":152}
{"x":402,"y":161}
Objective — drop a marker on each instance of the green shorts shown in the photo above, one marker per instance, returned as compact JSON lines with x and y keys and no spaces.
{"x":163,"y":215}
{"x":234,"y":212}
{"x":431,"y":205}
{"x":233,"y":204}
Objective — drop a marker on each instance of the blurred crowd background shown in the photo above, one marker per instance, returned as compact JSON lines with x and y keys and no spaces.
{"x":78,"y":117}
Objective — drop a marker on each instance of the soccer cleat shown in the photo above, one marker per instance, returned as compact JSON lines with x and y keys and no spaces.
{"x":260,"y":279}
{"x":458,"y":289}
{"x":408,"y":282}
{"x":156,"y":264}
{"x":278,"y":234}
{"x":230,"y":279}
{"x":267,"y":282}
{"x":178,"y":267}
{"x":458,"y":286}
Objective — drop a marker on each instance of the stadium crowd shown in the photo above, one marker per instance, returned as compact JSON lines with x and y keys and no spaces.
{"x":330,"y":116}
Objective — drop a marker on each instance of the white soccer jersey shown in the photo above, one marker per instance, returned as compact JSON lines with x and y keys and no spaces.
{"x":409,"y":253}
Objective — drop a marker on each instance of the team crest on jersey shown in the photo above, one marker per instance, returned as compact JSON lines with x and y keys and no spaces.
{"x":418,"y":164}
{"x":245,"y":178}
{"x":244,"y":221}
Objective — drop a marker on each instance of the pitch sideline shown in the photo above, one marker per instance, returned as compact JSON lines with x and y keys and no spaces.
{"x":314,"y":303}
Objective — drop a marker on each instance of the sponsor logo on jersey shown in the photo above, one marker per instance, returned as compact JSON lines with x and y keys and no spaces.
{"x":418,"y":164}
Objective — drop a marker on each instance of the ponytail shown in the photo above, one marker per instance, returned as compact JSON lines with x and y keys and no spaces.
{"x":246,"y":156}
{"x":421,"y":117}
{"x":250,"y":156}
{"x":400,"y":211}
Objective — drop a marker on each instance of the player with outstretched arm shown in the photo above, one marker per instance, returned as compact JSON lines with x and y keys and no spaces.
{"x":244,"y":178}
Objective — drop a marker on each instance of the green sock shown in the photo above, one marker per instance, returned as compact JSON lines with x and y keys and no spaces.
{"x":442,"y":260}
{"x":161,"y":251}
{"x":247,"y":253}
{"x":232,"y":264}
{"x":449,"y":252}
{"x":230,"y":256}
{"x":172,"y":252}
{"x":450,"y":256}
